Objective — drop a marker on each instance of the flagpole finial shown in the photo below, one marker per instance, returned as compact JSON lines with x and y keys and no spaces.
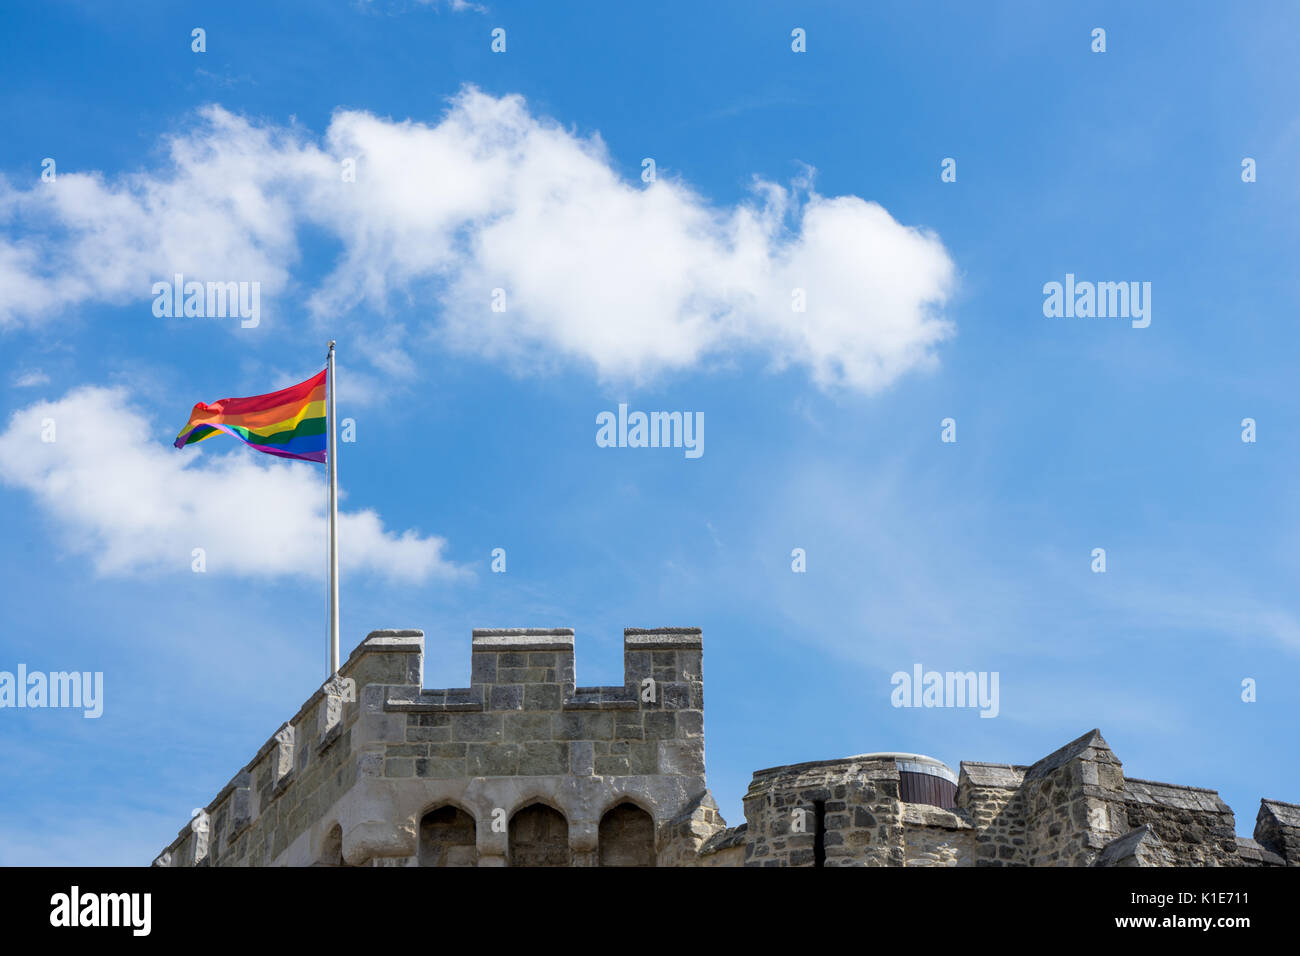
{"x":331,"y":345}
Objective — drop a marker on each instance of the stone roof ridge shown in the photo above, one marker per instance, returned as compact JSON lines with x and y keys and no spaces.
{"x":790,"y":768}
{"x":1288,"y":814}
{"x":1092,"y":740}
{"x":1172,"y":786}
{"x":725,"y":839}
{"x":983,"y":774}
{"x":1129,"y":845}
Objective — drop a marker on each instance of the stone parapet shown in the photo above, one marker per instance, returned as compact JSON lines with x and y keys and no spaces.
{"x":353,"y":775}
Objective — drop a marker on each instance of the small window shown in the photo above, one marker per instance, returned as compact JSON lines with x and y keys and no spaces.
{"x":819,"y":837}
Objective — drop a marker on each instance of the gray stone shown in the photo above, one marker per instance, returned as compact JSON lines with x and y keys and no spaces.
{"x":476,"y":727}
{"x":397,"y":754}
{"x":506,"y":697}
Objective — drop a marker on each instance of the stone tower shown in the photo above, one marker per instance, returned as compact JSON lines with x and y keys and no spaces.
{"x":521,"y":767}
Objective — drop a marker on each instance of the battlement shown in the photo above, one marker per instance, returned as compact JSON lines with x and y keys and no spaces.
{"x":350,"y":776}
{"x":533,"y":669}
{"x":525,"y":767}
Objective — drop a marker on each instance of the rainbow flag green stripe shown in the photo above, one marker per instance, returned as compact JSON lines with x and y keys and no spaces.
{"x":305,"y":428}
{"x":289,"y":423}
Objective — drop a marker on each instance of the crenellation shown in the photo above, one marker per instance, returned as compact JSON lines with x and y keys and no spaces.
{"x":1194,"y":826}
{"x":241,"y":804}
{"x":525,"y":767}
{"x":336,"y":692}
{"x":1072,"y":804}
{"x":1277,"y":830}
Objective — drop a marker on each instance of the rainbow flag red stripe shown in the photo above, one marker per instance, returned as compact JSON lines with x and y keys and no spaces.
{"x":289,"y":423}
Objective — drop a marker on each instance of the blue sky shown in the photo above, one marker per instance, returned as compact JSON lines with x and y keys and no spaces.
{"x":476,"y":430}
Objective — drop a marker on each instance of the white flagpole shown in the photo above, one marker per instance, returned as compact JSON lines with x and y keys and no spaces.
{"x":332,"y":463}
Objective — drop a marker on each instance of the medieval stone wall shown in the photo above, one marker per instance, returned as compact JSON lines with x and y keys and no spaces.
{"x":1195,"y":827}
{"x":1072,"y":803}
{"x":832,"y":813}
{"x":524,"y":767}
{"x":1072,"y":808}
{"x":539,"y":770}
{"x":991,"y":797}
{"x":936,"y":837}
{"x":295,"y":778}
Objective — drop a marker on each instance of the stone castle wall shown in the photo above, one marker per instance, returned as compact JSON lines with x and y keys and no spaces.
{"x":296,"y":778}
{"x":354,"y":777}
{"x":933,"y":836}
{"x":852,"y":805}
{"x":524,"y":767}
{"x":989,"y":796}
{"x":1072,"y":808}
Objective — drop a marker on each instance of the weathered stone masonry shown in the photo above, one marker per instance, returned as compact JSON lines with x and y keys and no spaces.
{"x":1072,"y":808}
{"x":366,"y":770}
{"x":523,"y":767}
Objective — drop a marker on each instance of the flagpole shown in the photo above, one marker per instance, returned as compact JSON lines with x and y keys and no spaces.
{"x":333,"y":469}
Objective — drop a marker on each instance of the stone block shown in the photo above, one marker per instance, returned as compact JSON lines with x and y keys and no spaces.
{"x":483,"y":668}
{"x":525,"y":726}
{"x":643,"y":757}
{"x":582,"y":758}
{"x":543,"y":758}
{"x":683,"y":757}
{"x":440,"y":768}
{"x":628,"y":726}
{"x":493,"y":760}
{"x":476,"y":727}
{"x":542,"y":697}
{"x":611,"y":766}
{"x":660,"y":725}
{"x":506,"y":697}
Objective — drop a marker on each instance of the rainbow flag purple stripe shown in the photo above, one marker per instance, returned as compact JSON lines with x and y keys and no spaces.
{"x":289,"y":423}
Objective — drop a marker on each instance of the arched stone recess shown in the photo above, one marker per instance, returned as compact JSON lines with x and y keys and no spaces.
{"x":539,"y":836}
{"x":627,"y":836}
{"x":448,"y":837}
{"x":330,"y":850}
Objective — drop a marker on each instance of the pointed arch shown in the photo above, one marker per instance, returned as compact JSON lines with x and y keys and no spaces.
{"x":627,"y":836}
{"x":448,"y":837}
{"x":539,"y":836}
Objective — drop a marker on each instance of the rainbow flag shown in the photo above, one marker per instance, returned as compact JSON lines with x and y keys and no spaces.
{"x":289,"y":423}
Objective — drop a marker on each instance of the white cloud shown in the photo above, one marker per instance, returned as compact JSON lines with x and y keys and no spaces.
{"x":130,"y":502}
{"x":31,"y":379}
{"x":456,"y":6}
{"x":630,"y":279}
